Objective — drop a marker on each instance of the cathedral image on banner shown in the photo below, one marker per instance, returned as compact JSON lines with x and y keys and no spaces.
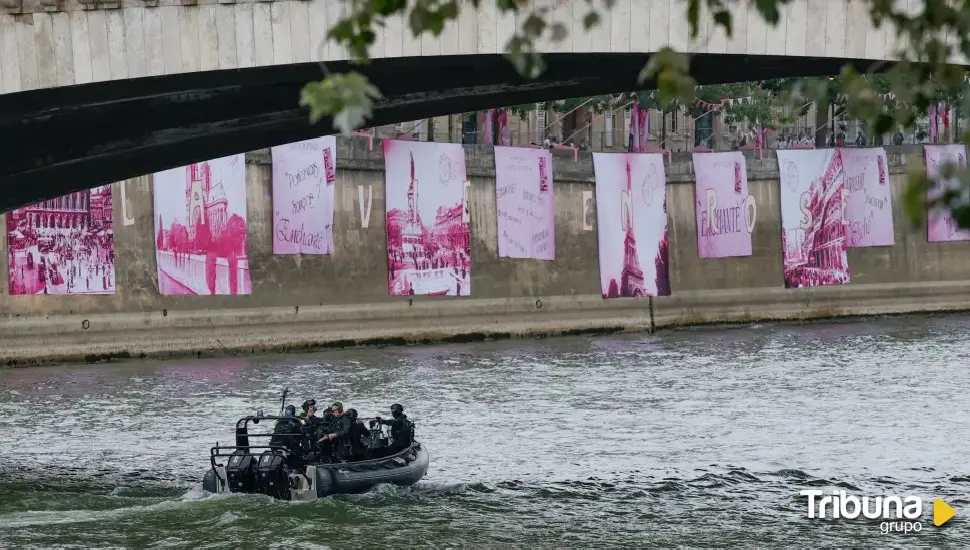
{"x":200,"y":229}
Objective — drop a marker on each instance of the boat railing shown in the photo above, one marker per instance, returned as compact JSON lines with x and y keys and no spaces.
{"x":220,"y":451}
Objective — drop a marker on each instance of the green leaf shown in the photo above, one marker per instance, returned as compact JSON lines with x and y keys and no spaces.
{"x":693,"y":16}
{"x":559,"y":32}
{"x":347,"y":98}
{"x":723,"y":18}
{"x":768,"y":10}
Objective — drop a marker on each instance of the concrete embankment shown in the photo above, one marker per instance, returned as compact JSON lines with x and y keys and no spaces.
{"x":308,"y":302}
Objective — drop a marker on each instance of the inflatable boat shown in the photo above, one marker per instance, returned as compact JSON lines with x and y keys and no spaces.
{"x":284,"y":471}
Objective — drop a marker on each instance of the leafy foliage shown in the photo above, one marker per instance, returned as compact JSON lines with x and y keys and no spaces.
{"x":921,"y":77}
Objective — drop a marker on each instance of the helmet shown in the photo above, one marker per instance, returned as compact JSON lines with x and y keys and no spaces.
{"x":352,"y":413}
{"x":290,"y":410}
{"x":309,"y":403}
{"x":397,"y":409}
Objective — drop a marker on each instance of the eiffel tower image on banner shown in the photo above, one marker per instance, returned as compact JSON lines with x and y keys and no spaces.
{"x":631,"y":280}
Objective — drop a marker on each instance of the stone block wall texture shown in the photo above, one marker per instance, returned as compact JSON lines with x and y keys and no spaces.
{"x":348,"y":290}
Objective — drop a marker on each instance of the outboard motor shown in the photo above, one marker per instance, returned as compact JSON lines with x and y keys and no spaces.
{"x":376,"y":441}
{"x":241,"y":473}
{"x":273,"y":475}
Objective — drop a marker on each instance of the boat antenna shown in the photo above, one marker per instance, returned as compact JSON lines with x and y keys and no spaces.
{"x":283,"y":403}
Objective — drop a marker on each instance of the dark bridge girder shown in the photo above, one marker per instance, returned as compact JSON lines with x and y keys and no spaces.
{"x":59,"y":140}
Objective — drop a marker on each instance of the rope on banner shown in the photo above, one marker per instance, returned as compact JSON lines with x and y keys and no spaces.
{"x":366,"y":134}
{"x":575,"y":150}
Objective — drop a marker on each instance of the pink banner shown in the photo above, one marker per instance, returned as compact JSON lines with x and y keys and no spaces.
{"x":428,"y":246}
{"x":505,"y":135}
{"x":941,"y":227}
{"x":813,"y":220}
{"x":524,"y":199}
{"x":644,"y":130}
{"x":634,"y":146}
{"x":487,"y":127}
{"x":870,"y":205}
{"x":304,"y":177}
{"x":631,"y":213}
{"x":200,"y":228}
{"x":725,"y":212}
{"x":63,"y":245}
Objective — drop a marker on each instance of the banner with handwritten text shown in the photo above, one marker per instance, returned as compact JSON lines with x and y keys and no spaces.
{"x":725,"y":211}
{"x":304,"y":177}
{"x":941,"y":227}
{"x":813,"y":220}
{"x":524,"y":197}
{"x":870,"y":206}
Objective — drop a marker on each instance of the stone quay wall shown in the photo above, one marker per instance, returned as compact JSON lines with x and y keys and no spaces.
{"x":307,"y":302}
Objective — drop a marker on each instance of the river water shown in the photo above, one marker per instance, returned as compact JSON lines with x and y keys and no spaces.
{"x":692,"y":437}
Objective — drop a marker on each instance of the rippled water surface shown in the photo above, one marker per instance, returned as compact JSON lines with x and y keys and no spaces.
{"x":700,"y":437}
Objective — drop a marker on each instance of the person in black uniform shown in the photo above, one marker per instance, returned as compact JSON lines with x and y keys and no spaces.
{"x":358,"y":434}
{"x":400,"y":428}
{"x":340,"y":433}
{"x":287,"y":432}
{"x":313,"y":428}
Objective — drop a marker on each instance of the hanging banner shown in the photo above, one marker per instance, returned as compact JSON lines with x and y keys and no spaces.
{"x":428,"y":247}
{"x":644,"y":130}
{"x":941,"y":227}
{"x":505,"y":135}
{"x":631,"y":214}
{"x":304,"y":177}
{"x":724,"y":210}
{"x":634,"y":146}
{"x":524,"y":200}
{"x":63,"y":245}
{"x":813,"y":221}
{"x":200,"y":228}
{"x":487,"y":128}
{"x":870,"y":206}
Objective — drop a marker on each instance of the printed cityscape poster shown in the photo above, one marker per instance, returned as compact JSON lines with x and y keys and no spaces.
{"x":200,"y":228}
{"x":631,"y":213}
{"x":428,"y":236}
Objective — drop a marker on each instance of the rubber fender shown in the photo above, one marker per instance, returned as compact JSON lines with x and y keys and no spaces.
{"x":324,"y":481}
{"x":210,"y":482}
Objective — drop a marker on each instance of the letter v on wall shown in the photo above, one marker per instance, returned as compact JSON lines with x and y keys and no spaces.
{"x":365,"y":212}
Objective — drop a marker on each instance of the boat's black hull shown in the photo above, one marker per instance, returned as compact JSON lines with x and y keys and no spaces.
{"x":317,"y":481}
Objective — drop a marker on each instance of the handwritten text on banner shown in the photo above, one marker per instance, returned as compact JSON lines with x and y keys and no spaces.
{"x":304,"y":174}
{"x":524,"y":197}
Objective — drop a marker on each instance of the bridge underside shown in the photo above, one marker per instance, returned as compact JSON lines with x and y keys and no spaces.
{"x":59,"y":140}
